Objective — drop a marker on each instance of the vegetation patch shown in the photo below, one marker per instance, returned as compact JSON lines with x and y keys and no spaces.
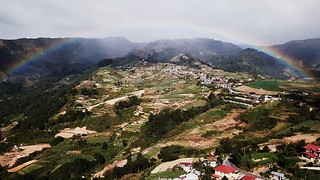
{"x":209,"y":133}
{"x":31,"y":168}
{"x":269,"y":85}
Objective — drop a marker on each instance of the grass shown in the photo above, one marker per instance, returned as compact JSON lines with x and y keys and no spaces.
{"x":153,"y":152}
{"x":98,"y":139}
{"x":313,"y":125}
{"x":213,"y":115}
{"x":306,"y":86}
{"x":263,"y":155}
{"x":264,"y":158}
{"x":31,"y":168}
{"x":281,"y":125}
{"x":269,"y":85}
{"x":174,"y":173}
{"x":209,"y":133}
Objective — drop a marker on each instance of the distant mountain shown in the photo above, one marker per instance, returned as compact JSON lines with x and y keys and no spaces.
{"x":64,"y":56}
{"x":251,"y":61}
{"x":164,"y":50}
{"x":61,"y":56}
{"x":307,"y":51}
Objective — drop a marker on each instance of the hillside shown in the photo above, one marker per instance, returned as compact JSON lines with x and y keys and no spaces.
{"x":66,"y":56}
{"x":251,"y":61}
{"x":122,"y":121}
{"x":164,"y":50}
{"x":306,"y":51}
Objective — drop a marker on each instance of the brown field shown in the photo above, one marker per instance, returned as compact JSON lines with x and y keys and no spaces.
{"x":108,"y":168}
{"x":9,"y":158}
{"x":228,"y":122}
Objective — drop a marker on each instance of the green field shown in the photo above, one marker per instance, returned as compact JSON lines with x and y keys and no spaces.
{"x":269,"y":85}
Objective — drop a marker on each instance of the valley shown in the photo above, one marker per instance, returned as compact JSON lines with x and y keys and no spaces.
{"x":122,"y":122}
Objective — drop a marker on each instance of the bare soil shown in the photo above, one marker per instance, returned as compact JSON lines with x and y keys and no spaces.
{"x":169,"y":165}
{"x":9,"y":158}
{"x":68,"y":133}
{"x":108,"y":168}
{"x":228,"y":122}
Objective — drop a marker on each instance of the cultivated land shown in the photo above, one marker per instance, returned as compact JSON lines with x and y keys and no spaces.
{"x":93,"y":127}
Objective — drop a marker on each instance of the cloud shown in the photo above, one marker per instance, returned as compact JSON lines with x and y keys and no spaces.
{"x":246,"y":21}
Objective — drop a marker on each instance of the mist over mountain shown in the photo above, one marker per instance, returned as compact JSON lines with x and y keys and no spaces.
{"x":251,"y":61}
{"x":198,"y":48}
{"x":64,"y":56}
{"x":60,"y":56}
{"x":307,"y":51}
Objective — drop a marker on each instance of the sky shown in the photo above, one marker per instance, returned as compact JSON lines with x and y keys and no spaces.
{"x":258,"y":22}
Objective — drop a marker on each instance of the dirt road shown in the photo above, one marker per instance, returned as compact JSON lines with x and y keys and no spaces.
{"x":169,"y":165}
{"x":113,"y":101}
{"x":18,"y":168}
{"x":9,"y":158}
{"x":109,"y":168}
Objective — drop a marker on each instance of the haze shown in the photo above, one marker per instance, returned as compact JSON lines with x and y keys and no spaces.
{"x":260,"y":22}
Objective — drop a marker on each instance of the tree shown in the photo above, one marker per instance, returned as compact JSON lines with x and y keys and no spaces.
{"x":124,"y":143}
{"x":99,"y":158}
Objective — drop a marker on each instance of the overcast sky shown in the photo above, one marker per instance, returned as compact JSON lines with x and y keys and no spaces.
{"x":239,"y":21}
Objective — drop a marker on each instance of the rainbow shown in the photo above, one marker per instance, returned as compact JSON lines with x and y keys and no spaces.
{"x":197,"y":30}
{"x":217,"y":32}
{"x":287,"y":60}
{"x":25,"y":61}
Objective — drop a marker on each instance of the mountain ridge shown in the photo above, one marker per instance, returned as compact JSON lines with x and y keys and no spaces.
{"x":73,"y":55}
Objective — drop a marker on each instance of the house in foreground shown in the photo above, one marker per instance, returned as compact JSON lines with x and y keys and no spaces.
{"x":278,"y":176}
{"x":248,"y":177}
{"x":311,"y":151}
{"x":189,"y":176}
{"x":227,"y":171}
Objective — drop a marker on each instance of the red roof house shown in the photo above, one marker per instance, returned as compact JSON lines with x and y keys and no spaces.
{"x":312,"y":151}
{"x":312,"y":147}
{"x":228,"y":171}
{"x":247,"y":177}
{"x":225,"y":169}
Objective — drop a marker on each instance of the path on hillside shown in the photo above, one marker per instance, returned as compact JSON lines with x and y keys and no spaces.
{"x":169,"y":165}
{"x":21,"y":166}
{"x":10,"y":158}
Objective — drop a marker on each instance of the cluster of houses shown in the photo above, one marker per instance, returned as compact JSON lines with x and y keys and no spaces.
{"x":220,"y":171}
{"x":224,"y":171}
{"x":217,"y":82}
{"x":251,"y":98}
{"x":256,"y":99}
{"x":179,"y":71}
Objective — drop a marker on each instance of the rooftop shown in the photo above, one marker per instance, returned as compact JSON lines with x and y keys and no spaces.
{"x":312,"y":147}
{"x":225,"y":169}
